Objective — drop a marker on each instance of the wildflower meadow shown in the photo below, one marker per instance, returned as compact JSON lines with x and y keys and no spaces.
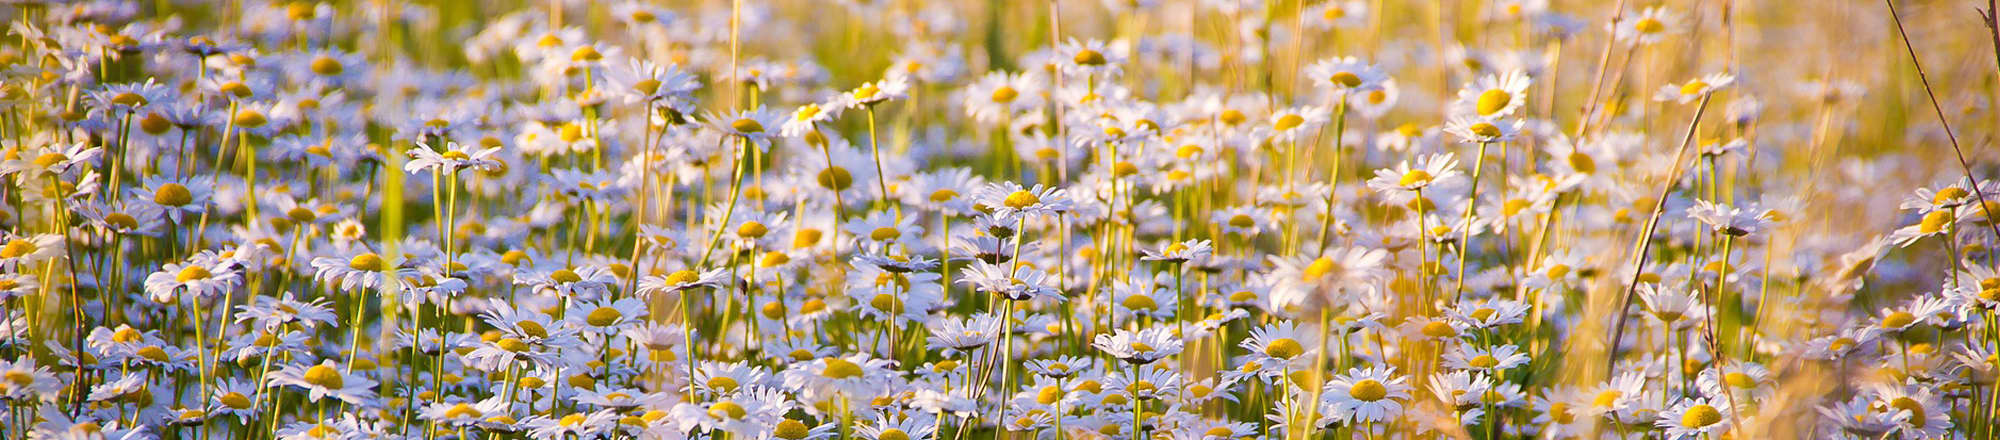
{"x":999,"y":219}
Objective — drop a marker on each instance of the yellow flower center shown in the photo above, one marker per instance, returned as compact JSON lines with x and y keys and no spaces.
{"x":462,"y":411}
{"x":250,"y":118}
{"x":1485,"y":130}
{"x":327,"y":66}
{"x":886,"y":302}
{"x":369,"y":262}
{"x":1088,"y":57}
{"x":1701,"y":416}
{"x":1649,"y":25}
{"x":1049,"y":395}
{"x":791,"y":430}
{"x":1320,"y":267}
{"x":1288,"y":122}
{"x":235,"y":400}
{"x":603,"y":316}
{"x":835,"y":178}
{"x":1607,"y":398}
{"x":1492,"y":101}
{"x":1898,"y":319}
{"x":1021,"y":199}
{"x":722,"y":383}
{"x":885,"y":233}
{"x":837,"y":368}
{"x":1483,"y":361}
{"x":1694,"y":87}
{"x":1140,"y":302}
{"x":1345,"y":79}
{"x":1917,"y":414}
{"x":1284,"y":348}
{"x":1005,"y":94}
{"x":324,"y":376}
{"x":1935,"y":221}
{"x":17,"y":248}
{"x":1415,"y":178}
{"x":1368,"y":390}
{"x":192,"y":273}
{"x":683,"y":276}
{"x":532,"y":328}
{"x":1739,"y":380}
{"x":128,"y":99}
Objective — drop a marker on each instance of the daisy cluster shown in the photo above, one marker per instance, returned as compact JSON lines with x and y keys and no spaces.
{"x":951,"y":220}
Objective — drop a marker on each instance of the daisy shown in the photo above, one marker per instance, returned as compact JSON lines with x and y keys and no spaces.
{"x":1329,"y":279}
{"x":640,"y":81}
{"x":1435,"y":169}
{"x":1007,"y":281}
{"x":884,"y":228}
{"x":1141,"y":347}
{"x":1337,"y":14}
{"x":1373,"y":394}
{"x":1060,"y":367}
{"x":610,"y":316}
{"x":1179,"y":252}
{"x":1729,"y":220}
{"x":1293,"y":124}
{"x":325,"y":380}
{"x":886,"y":427}
{"x":573,"y":425}
{"x":1674,"y":308}
{"x":1481,"y":130}
{"x":752,"y":125}
{"x":1692,"y":418}
{"x":1492,"y":96}
{"x":1694,"y":89}
{"x":894,"y":86}
{"x":205,"y":276}
{"x":459,"y":414}
{"x":1489,"y":313}
{"x":1281,"y":341}
{"x":681,"y":281}
{"x":287,"y":311}
{"x":363,"y":271}
{"x":1488,"y":359}
{"x":998,"y":96}
{"x":963,"y":334}
{"x":1090,"y":58}
{"x":455,"y":157}
{"x":1651,"y":26}
{"x":1345,"y":74}
{"x":1244,"y":221}
{"x":26,"y":250}
{"x":1007,"y":199}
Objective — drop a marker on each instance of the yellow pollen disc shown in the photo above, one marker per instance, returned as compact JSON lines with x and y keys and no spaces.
{"x":1492,"y":101}
{"x":1285,"y":348}
{"x":1368,"y":390}
{"x":837,"y":368}
{"x":172,"y":194}
{"x":1345,"y":79}
{"x":368,"y":262}
{"x":1414,"y":178}
{"x":1700,"y":416}
{"x":324,"y":376}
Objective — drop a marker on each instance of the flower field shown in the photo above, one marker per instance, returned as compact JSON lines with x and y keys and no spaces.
{"x":999,"y":219}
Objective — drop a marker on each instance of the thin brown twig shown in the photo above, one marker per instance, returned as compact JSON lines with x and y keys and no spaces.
{"x":1603,"y":61}
{"x":1964,"y":166}
{"x":1646,"y":235}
